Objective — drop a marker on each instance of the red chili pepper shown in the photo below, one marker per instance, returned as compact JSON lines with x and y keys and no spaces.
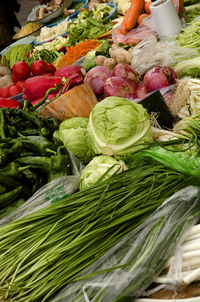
{"x":9,"y":103}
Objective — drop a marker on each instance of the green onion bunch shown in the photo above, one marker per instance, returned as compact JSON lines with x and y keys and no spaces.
{"x":43,"y":251}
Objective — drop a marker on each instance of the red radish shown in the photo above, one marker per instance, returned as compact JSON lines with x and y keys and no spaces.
{"x":126,"y":71}
{"x":117,"y":86}
{"x":36,"y":87}
{"x":20,"y":84}
{"x":48,"y":74}
{"x":39,"y":67}
{"x":21,"y":70}
{"x":158,"y":77}
{"x":9,"y":103}
{"x":14,"y":78}
{"x":96,"y":78}
{"x":72,"y":71}
{"x":51,"y":68}
{"x":14,"y":90}
{"x":4,"y":90}
{"x":141,"y":91}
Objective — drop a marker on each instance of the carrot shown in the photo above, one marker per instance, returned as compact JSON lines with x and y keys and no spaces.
{"x":147,"y":7}
{"x":133,"y":14}
{"x":141,"y":17}
{"x":76,"y":52}
{"x":123,"y":27}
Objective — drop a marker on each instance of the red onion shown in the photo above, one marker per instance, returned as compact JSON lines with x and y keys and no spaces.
{"x":158,"y":77}
{"x":141,"y":91}
{"x":72,"y":71}
{"x":96,"y":77}
{"x":117,"y":86}
{"x":125,"y":71}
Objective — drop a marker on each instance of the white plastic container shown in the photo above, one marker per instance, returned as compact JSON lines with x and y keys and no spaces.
{"x":165,"y":18}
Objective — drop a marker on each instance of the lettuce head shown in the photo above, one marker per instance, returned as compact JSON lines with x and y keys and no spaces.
{"x":100,"y":168}
{"x":118,"y":127}
{"x":72,"y":132}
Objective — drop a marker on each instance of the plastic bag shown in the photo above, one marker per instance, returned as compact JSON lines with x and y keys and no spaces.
{"x":150,"y":53}
{"x":134,"y":36}
{"x":128,"y":268}
{"x":53,"y":191}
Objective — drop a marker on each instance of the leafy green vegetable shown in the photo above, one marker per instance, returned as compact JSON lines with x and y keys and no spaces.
{"x":17,"y":53}
{"x":76,"y":6}
{"x":189,"y":36}
{"x":100,"y":168}
{"x":180,"y":161}
{"x":56,"y":44}
{"x":190,"y":67}
{"x":89,"y":61}
{"x":190,"y":2}
{"x":88,"y":26}
{"x":118,"y":127}
{"x":49,"y":56}
{"x":127,"y":270}
{"x":192,"y":12}
{"x":72,"y":132}
{"x":103,"y":49}
{"x":45,"y":250}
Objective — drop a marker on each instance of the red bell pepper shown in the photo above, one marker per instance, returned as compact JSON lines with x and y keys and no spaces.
{"x":36,"y":87}
{"x":10,"y":103}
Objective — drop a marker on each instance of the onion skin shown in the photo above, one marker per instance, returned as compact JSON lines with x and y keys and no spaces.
{"x":125,"y":71}
{"x":74,"y":72}
{"x":96,"y":78}
{"x":117,"y":86}
{"x":158,"y":77}
{"x":141,"y":91}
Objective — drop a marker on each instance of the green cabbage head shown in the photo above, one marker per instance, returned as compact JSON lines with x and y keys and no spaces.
{"x":72,"y":132}
{"x":118,"y":127}
{"x":100,"y":168}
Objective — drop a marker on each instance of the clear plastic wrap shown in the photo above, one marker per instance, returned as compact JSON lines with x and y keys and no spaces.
{"x":134,"y":36}
{"x":53,"y":191}
{"x":150,"y":53}
{"x":128,"y":268}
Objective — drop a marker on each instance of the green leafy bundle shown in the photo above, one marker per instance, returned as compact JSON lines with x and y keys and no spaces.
{"x":42,"y":252}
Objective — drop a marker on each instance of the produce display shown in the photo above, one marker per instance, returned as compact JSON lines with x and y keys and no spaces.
{"x":100,"y":154}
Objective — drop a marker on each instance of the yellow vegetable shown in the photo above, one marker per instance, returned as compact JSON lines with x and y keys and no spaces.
{"x":27,"y":29}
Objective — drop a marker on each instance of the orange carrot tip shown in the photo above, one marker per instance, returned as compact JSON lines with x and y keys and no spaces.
{"x":141,"y":17}
{"x":147,"y":7}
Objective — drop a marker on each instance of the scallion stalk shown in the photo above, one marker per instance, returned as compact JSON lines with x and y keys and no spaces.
{"x":43,"y":251}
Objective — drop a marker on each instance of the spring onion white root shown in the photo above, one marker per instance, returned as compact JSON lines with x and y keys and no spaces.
{"x":188,"y":268}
